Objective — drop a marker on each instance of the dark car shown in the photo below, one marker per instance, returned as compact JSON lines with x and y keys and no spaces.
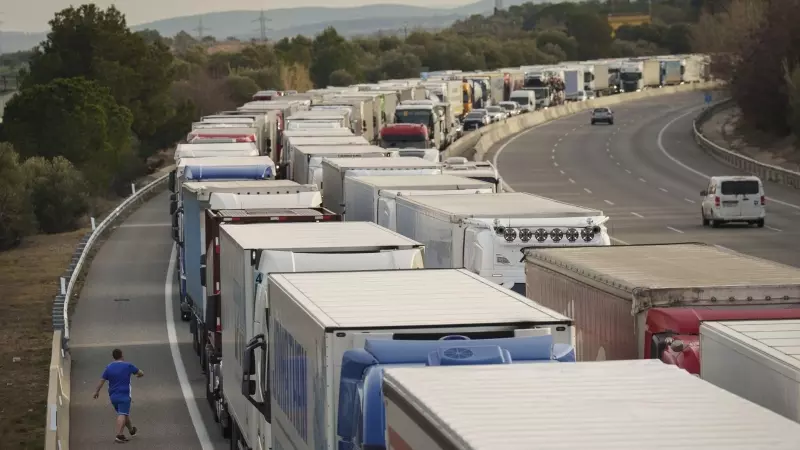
{"x":473,"y":121}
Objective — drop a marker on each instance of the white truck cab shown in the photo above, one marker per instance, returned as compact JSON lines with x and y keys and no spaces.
{"x":733,"y":199}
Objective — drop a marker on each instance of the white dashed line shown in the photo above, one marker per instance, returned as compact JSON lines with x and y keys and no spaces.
{"x":611,"y":156}
{"x":554,"y":146}
{"x":562,"y":172}
{"x":572,"y":181}
{"x":663,"y":190}
{"x":555,"y":164}
{"x":626,"y":170}
{"x":609,"y":202}
{"x":587,"y":191}
{"x":675,"y":230}
{"x":553,"y":157}
{"x":559,"y":139}
{"x":642,"y":180}
{"x":637,"y":215}
{"x":618,"y":164}
{"x":773,"y":229}
{"x":689,"y":200}
{"x":554,"y":150}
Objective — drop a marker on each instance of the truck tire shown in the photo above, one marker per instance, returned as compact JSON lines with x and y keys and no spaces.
{"x":210,"y":396}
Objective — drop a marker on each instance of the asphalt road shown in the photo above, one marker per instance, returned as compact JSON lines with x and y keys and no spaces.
{"x":646,"y":173}
{"x":124,"y":304}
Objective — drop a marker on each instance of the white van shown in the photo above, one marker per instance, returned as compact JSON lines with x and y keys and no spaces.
{"x":733,"y":199}
{"x":525,"y":99}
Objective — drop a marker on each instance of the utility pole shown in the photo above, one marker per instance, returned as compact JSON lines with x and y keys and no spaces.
{"x":405,"y":31}
{"x":200,"y":29}
{"x":262,"y":20}
{"x":498,"y":6}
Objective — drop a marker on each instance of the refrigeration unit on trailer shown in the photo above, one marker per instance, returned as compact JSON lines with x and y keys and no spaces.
{"x":334,"y":171}
{"x":587,"y":406}
{"x":307,"y":160}
{"x":632,"y":301}
{"x":206,"y":150}
{"x":330,"y":336}
{"x":288,"y":154}
{"x":477,"y":170}
{"x":365,"y":199}
{"x":485,"y":233}
{"x":198,"y":196}
{"x":758,"y":360}
{"x":248,"y":254}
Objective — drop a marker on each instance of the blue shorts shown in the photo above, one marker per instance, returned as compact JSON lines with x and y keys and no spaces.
{"x":122,"y":407}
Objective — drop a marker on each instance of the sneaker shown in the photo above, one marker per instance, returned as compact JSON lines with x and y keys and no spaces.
{"x":121,"y":439}
{"x":133,"y":431}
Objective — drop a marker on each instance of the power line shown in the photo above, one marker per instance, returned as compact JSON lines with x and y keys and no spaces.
{"x":262,"y":20}
{"x":200,"y":29}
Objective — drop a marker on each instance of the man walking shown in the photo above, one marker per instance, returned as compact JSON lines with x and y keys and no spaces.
{"x":118,"y":374}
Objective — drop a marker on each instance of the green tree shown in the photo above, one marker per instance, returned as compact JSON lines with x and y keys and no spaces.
{"x":74,"y":118}
{"x":16,"y":215}
{"x":331,"y":53}
{"x":592,"y":32}
{"x":58,"y":193}
{"x":341,"y":77}
{"x":96,"y":44}
{"x":240,"y":89}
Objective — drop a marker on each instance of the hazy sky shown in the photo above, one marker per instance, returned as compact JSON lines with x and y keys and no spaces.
{"x":33,"y":15}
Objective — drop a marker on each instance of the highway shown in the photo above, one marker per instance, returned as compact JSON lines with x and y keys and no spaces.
{"x":130,"y":301}
{"x":646,"y":173}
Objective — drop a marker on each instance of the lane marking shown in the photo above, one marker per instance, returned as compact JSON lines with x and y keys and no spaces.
{"x":642,"y":180}
{"x":660,"y":143}
{"x":559,"y":139}
{"x":555,"y":164}
{"x":562,"y":172}
{"x":663,"y":190}
{"x":618,"y":164}
{"x":572,"y":181}
{"x":611,"y":156}
{"x":554,"y":150}
{"x":180,"y":368}
{"x":626,"y":170}
{"x":587,"y":191}
{"x":609,"y":202}
{"x":619,"y":241}
{"x":689,"y":200}
{"x":675,"y":230}
{"x":771,"y":228}
{"x":637,"y":215}
{"x":144,"y":225}
{"x":553,"y":157}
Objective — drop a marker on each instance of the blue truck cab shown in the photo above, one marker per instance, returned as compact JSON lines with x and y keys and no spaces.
{"x":361,"y":414}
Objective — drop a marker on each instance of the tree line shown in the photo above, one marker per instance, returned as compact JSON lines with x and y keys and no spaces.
{"x":99,"y":104}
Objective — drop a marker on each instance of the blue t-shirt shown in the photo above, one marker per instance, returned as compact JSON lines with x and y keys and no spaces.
{"x":118,"y":374}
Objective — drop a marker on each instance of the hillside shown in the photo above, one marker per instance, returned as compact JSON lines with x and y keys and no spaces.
{"x":293,"y":21}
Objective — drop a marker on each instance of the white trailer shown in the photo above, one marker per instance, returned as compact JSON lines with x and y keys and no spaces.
{"x":307,"y":160}
{"x":621,"y":295}
{"x":318,"y":320}
{"x":248,"y":254}
{"x":486,"y":233}
{"x":587,"y":406}
{"x":365,"y":198}
{"x":334,"y":171}
{"x":287,"y":152}
{"x":758,"y":360}
{"x":477,"y":170}
{"x":216,"y":149}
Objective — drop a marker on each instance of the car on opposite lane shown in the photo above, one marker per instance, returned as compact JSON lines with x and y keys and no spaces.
{"x":733,"y":199}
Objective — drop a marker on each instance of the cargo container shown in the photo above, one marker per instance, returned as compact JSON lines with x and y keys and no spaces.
{"x":485,"y":233}
{"x":332,"y":334}
{"x":334,"y":171}
{"x":288,"y":154}
{"x":248,"y":255}
{"x":476,"y":170}
{"x":364,"y":201}
{"x":611,"y":291}
{"x":602,"y":405}
{"x":307,"y":160}
{"x":206,"y":150}
{"x":758,"y":360}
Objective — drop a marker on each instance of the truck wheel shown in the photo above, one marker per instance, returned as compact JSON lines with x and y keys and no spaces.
{"x":225,"y":422}
{"x":195,"y":342}
{"x":760,"y":223}
{"x":210,"y":397}
{"x":715,"y":223}
{"x":234,"y":436}
{"x":705,"y":221}
{"x":185,"y":316}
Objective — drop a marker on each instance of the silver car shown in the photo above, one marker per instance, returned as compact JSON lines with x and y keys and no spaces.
{"x":604,"y":115}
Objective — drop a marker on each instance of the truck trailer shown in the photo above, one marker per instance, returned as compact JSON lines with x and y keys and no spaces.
{"x":248,"y":255}
{"x":334,"y":171}
{"x":331,"y":335}
{"x":758,"y":360}
{"x":587,"y":406}
{"x":215,"y":149}
{"x":485,"y":233}
{"x":364,"y":201}
{"x":307,"y":160}
{"x":288,"y":150}
{"x":476,"y":170}
{"x":611,"y":292}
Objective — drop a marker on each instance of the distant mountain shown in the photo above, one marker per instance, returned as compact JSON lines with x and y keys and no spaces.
{"x":284,"y":22}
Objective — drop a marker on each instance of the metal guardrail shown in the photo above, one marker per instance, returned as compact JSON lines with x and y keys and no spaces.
{"x":58,"y":396}
{"x":766,"y":172}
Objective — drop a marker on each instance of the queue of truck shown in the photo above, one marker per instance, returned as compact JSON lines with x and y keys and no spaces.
{"x":310,"y":270}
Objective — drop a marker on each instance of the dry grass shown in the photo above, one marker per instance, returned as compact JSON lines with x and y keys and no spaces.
{"x":28,"y":282}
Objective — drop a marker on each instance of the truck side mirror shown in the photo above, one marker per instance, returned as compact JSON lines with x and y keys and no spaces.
{"x":173,"y":207}
{"x":703,"y":193}
{"x":171,"y":181}
{"x":249,"y":365}
{"x":203,"y":270}
{"x":173,"y":197}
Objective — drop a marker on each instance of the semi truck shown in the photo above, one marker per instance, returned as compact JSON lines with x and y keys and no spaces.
{"x":334,"y":171}
{"x":671,"y":72}
{"x":609,"y":405}
{"x":629,"y":301}
{"x":215,"y":149}
{"x":758,"y":360}
{"x":405,"y":135}
{"x":292,"y":142}
{"x":485,"y":233}
{"x":651,"y":73}
{"x":329,"y":337}
{"x":362,"y":117}
{"x":307,"y":160}
{"x":248,"y":255}
{"x":437,"y":117}
{"x":371,"y":198}
{"x":198,"y":196}
{"x":573,"y":82}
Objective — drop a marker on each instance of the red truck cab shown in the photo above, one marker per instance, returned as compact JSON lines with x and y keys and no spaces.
{"x":673,"y":334}
{"x":405,"y":135}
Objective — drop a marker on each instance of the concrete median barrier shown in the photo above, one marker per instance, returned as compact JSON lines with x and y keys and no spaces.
{"x":476,"y":144}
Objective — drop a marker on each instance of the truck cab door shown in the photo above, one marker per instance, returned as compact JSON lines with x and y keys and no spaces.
{"x":473,"y":252}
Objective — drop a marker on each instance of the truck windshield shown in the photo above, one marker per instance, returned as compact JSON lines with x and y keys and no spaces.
{"x":532,"y":82}
{"x":630,"y":76}
{"x":744,"y":187}
{"x":420,"y":116}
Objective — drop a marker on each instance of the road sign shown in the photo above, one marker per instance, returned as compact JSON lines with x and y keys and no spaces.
{"x":708,"y":97}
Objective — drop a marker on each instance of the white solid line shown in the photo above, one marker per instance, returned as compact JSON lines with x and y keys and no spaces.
{"x":642,"y":180}
{"x":637,"y":215}
{"x":663,"y":190}
{"x":609,"y":202}
{"x":689,"y":200}
{"x":572,"y":181}
{"x":626,"y":170}
{"x":660,"y":142}
{"x":186,"y":389}
{"x":619,"y":241}
{"x":675,"y":230}
{"x":771,"y":228}
{"x":562,"y":172}
{"x":587,"y":191}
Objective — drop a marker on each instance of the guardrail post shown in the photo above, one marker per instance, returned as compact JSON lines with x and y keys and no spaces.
{"x":63,"y":285}
{"x":94,"y":225}
{"x":133,"y":189}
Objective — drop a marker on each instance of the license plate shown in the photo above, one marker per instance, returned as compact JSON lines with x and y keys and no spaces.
{"x":730,"y":203}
